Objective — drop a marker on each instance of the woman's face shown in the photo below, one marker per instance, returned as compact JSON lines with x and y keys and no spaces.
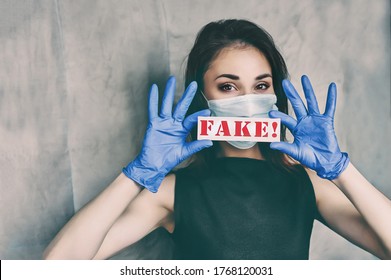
{"x":237,"y":71}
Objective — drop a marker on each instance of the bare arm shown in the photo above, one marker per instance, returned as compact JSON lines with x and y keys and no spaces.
{"x":82,"y":236}
{"x":147,"y":212}
{"x":355,"y":209}
{"x":112,"y":221}
{"x":349,"y":204}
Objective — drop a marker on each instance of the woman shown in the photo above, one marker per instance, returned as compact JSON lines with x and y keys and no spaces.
{"x":235,"y":200}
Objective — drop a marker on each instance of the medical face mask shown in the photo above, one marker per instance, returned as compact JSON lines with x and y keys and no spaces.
{"x":247,"y":106}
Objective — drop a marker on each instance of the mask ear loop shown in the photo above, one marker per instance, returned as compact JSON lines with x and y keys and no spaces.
{"x":207,"y":101}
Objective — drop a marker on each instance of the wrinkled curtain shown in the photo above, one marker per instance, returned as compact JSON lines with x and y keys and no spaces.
{"x":74,"y":78}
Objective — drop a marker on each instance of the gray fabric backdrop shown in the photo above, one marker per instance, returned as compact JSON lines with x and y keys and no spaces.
{"x":74,"y":77}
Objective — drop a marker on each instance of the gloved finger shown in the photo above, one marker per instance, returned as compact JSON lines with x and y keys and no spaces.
{"x":153,"y":102}
{"x":168,"y":98}
{"x":287,"y":148}
{"x":191,"y":120}
{"x":294,"y":98}
{"x":185,"y":101}
{"x":195,"y":146}
{"x":331,"y":102}
{"x":286,"y":120}
{"x":312,"y":104}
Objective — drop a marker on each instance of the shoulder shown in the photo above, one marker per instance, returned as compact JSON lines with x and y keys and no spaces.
{"x":299,"y":173}
{"x":165,"y":194}
{"x":163,"y":199}
{"x":323,"y":188}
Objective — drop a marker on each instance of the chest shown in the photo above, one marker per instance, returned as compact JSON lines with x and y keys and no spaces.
{"x":233,"y":217}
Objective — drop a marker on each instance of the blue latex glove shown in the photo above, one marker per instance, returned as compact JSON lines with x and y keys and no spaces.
{"x":165,"y":144}
{"x":315,"y":144}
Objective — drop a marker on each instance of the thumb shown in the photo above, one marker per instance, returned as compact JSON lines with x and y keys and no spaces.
{"x":286,"y":148}
{"x":191,"y":120}
{"x":195,"y":146}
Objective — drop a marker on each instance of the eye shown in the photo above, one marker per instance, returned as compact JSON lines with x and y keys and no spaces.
{"x":227,"y":87}
{"x":262,"y":86}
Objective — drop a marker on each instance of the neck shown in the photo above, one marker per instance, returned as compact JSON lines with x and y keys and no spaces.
{"x":228,"y":150}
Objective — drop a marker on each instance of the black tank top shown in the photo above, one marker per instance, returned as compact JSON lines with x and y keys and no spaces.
{"x":243,"y":208}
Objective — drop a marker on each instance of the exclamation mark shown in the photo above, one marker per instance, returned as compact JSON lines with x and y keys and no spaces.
{"x":274,"y":125}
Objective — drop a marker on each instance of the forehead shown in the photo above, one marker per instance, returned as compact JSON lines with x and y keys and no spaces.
{"x":234,"y":58}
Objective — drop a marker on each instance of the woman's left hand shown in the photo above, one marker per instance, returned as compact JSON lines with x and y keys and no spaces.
{"x":315,"y":144}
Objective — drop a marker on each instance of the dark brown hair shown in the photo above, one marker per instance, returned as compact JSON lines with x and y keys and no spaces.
{"x":210,"y":41}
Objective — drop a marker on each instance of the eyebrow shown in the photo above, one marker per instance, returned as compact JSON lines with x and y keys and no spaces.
{"x":234,"y":77}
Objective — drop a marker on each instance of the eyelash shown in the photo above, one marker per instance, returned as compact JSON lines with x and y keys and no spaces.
{"x":223,"y":87}
{"x":263,"y":84}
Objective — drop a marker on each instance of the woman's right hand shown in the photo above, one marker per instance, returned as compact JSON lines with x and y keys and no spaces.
{"x":164,"y":145}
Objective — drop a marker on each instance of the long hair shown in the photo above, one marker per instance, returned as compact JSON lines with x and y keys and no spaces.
{"x":210,"y":41}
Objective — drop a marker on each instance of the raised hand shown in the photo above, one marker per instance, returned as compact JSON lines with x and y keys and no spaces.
{"x":165,"y":144}
{"x":315,"y":144}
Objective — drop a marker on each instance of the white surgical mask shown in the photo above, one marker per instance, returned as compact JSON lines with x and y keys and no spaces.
{"x":247,"y":106}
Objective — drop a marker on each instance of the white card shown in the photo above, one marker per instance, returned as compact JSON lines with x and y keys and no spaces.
{"x":239,"y":129}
